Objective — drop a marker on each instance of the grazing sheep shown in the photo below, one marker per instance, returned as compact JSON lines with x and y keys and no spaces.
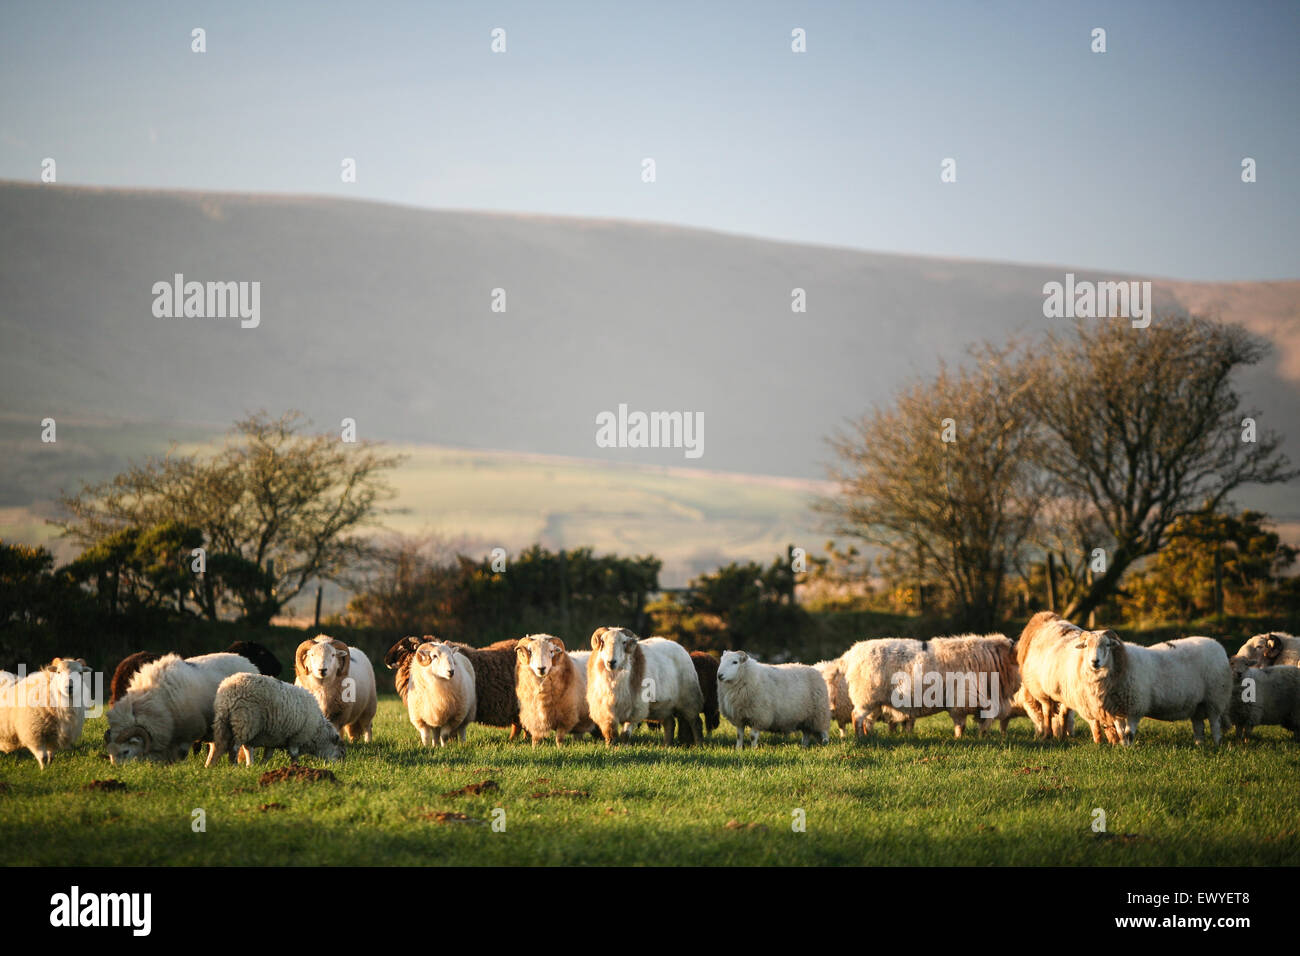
{"x":46,"y":710}
{"x":778,"y":697}
{"x":630,"y":680}
{"x":494,"y":676}
{"x":1271,"y":650}
{"x":254,"y":710}
{"x":440,"y":699}
{"x":837,"y":691}
{"x":904,"y":679}
{"x":1264,"y":696}
{"x":262,"y":659}
{"x":342,"y":681}
{"x":169,"y":705}
{"x":552,"y":689}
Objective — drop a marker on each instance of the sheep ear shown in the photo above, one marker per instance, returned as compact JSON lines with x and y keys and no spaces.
{"x":345,"y":656}
{"x":300,"y":658}
{"x":1081,"y":645}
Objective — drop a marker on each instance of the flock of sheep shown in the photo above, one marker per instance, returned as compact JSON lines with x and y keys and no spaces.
{"x":163,"y":706}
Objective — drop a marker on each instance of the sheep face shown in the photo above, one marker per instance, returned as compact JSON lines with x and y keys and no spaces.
{"x":1239,"y":667}
{"x":404,"y":649}
{"x":729,"y":666}
{"x":440,"y":659}
{"x":332,"y":746}
{"x":326,"y":660}
{"x":1099,"y":650}
{"x":614,"y":647}
{"x":69,"y":681}
{"x":132,"y":746}
{"x":540,"y":654}
{"x":1261,"y":650}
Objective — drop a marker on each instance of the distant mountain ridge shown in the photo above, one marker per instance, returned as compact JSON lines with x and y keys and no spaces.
{"x":383,"y":314}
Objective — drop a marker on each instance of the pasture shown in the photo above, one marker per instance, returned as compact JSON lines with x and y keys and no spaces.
{"x":922,"y":800}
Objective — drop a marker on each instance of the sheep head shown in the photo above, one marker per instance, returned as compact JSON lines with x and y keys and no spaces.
{"x":436,"y":657}
{"x":613,"y":646}
{"x":1103,"y":651}
{"x":539,"y":653}
{"x":323,"y":658}
{"x":1239,"y":665}
{"x":69,"y":681}
{"x":126,"y":740}
{"x":730,"y":665}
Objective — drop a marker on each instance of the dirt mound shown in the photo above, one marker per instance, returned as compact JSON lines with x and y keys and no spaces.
{"x":304,"y":774}
{"x":474,"y":789}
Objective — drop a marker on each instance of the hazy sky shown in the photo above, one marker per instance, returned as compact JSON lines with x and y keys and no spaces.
{"x":1128,"y":160}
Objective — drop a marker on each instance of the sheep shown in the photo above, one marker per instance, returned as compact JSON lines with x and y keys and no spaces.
{"x":776,"y":697}
{"x":1271,"y":650}
{"x":46,"y":710}
{"x":903,"y":679}
{"x":630,"y":680}
{"x":494,"y":678}
{"x":1052,"y":667}
{"x":706,"y":671}
{"x":262,"y":659}
{"x":552,"y":689}
{"x":254,"y":710}
{"x":1264,"y":696}
{"x":342,"y":681}
{"x":169,"y":705}
{"x":837,"y":691}
{"x":440,"y":699}
{"x":1017,"y":706}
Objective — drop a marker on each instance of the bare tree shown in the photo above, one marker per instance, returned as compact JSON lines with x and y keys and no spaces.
{"x":1143,"y":426}
{"x":956,"y":510}
{"x":273,"y":500}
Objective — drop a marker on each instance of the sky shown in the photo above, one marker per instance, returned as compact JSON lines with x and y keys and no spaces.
{"x":1128,"y":160}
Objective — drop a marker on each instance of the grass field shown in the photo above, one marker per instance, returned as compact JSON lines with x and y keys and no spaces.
{"x":926,"y":800}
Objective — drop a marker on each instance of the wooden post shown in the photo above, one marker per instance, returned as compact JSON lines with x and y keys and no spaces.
{"x":564,"y":596}
{"x":1218,"y":583}
{"x":319,"y":588}
{"x":1092,"y":615}
{"x":1051,"y":583}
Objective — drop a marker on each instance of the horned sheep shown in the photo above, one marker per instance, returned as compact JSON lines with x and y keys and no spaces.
{"x":169,"y":705}
{"x":1271,"y":650}
{"x":552,"y":689}
{"x":440,"y":699}
{"x":254,"y":710}
{"x":630,"y":680}
{"x":494,"y":678}
{"x":781,"y":698}
{"x":342,"y":681}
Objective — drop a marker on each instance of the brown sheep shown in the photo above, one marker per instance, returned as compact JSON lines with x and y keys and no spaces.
{"x":494,"y":678}
{"x":552,"y":691}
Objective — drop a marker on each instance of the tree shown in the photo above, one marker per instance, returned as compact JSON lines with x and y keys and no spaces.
{"x":1142,"y":427}
{"x":1236,"y":552}
{"x":943,"y":481}
{"x":275,"y":507}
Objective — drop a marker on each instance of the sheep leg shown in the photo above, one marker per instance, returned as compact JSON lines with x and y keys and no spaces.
{"x":1198,"y":731}
{"x":740,"y":737}
{"x":753,"y":736}
{"x":1216,"y":727}
{"x":667,"y":723}
{"x":212,"y":754}
{"x":805,"y":741}
{"x":559,"y":737}
{"x":958,"y":727}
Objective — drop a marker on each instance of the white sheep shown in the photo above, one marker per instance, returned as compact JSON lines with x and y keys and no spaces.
{"x":253,"y":710}
{"x":441,"y":699}
{"x":837,"y":691}
{"x":630,"y":680}
{"x":46,"y":710}
{"x":168,"y":705}
{"x":343,"y":682}
{"x":903,"y":679}
{"x":781,"y":698}
{"x":1271,"y":650}
{"x":1264,"y":696}
{"x":1114,"y":685}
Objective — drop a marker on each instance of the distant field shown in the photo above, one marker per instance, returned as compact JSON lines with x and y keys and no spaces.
{"x":692,"y":521}
{"x":927,"y":800}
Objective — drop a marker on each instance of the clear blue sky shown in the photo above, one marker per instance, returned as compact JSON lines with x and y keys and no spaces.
{"x":1128,"y":160}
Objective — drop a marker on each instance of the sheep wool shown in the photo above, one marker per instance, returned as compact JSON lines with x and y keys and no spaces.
{"x":776,"y":697}
{"x":630,"y":680}
{"x":343,"y":682}
{"x":552,"y":689}
{"x":1271,"y":650}
{"x":440,"y":700}
{"x":1264,"y":696}
{"x":46,"y":710}
{"x":254,"y":710}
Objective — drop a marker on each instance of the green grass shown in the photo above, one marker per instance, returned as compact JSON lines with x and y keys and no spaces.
{"x":926,"y":800}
